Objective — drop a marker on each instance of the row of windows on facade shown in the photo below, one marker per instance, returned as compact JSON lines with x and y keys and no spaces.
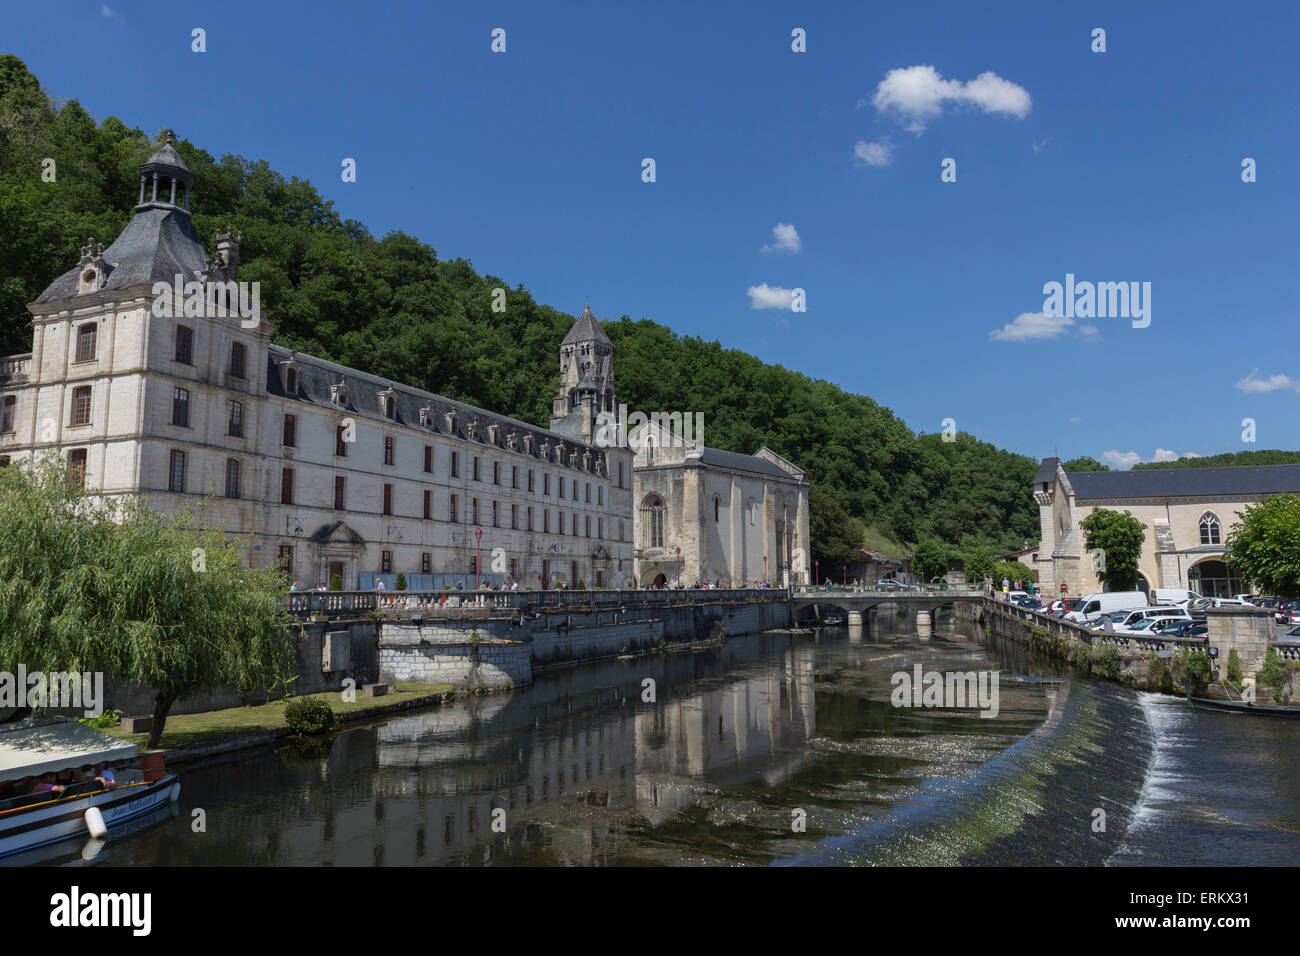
{"x":284,"y":558}
{"x":177,"y":474}
{"x":81,"y":408}
{"x":88,"y":348}
{"x":87,"y":337}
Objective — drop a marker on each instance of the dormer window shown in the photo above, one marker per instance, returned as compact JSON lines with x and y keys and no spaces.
{"x":450,"y":418}
{"x":289,"y":376}
{"x":388,"y":403}
{"x":426,"y":416}
{"x":339,"y":394}
{"x":492,"y":432}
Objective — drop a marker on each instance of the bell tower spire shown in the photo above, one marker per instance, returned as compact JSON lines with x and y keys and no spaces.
{"x":586,"y":370}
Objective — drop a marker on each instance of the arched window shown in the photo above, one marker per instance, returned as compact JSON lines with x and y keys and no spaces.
{"x":1209,"y":529}
{"x":753,"y":511}
{"x":652,"y":520}
{"x":716,"y":506}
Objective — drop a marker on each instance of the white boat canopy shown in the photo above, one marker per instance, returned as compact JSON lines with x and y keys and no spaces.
{"x":62,"y":744}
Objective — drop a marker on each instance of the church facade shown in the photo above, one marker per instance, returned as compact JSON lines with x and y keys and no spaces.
{"x":1187,"y":514}
{"x":327,"y":470}
{"x":716,"y":517}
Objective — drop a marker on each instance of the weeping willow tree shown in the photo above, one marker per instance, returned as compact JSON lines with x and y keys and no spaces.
{"x":111,"y":586}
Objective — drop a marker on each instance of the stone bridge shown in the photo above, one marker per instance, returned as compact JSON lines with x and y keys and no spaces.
{"x":856,"y":602}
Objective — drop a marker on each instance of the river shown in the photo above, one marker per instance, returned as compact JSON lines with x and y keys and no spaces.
{"x":775,"y":749}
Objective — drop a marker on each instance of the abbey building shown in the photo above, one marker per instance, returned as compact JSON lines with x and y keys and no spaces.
{"x":335,"y":474}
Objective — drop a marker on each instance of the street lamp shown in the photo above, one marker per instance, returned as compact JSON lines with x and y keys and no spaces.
{"x":679,"y":565}
{"x":817,"y":575}
{"x":478,"y":555}
{"x":765,"y":570}
{"x":844,"y":570}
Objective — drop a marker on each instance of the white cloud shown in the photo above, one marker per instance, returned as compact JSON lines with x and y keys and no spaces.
{"x":107,"y":11}
{"x":787,"y":239}
{"x":1089,"y":333}
{"x":879,"y":153}
{"x":917,"y":94}
{"x":1252,"y":384}
{"x":1038,"y":144}
{"x":1123,"y":460}
{"x":766,"y":296}
{"x":1032,"y":327}
{"x":1075,"y":420}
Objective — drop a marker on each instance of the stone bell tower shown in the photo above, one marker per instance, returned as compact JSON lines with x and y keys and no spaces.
{"x":586,"y":375}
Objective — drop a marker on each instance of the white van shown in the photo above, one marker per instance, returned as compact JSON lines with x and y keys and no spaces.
{"x":1095,"y":605}
{"x":1178,"y":596}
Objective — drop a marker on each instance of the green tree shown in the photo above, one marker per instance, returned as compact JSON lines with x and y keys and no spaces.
{"x":930,"y":559}
{"x":1084,"y":463}
{"x":980,"y":563}
{"x":94,"y":585}
{"x":836,"y":536}
{"x":1119,"y":537}
{"x":1264,"y":545}
{"x":1012,"y":571}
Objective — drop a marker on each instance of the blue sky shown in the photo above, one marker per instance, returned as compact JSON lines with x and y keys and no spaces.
{"x":926,"y":295}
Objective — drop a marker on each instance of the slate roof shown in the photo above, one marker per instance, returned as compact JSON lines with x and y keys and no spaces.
{"x":737,"y":462}
{"x":156,"y":245}
{"x":1046,"y":471}
{"x":1186,"y":482}
{"x":316,"y":376}
{"x":585,"y":329}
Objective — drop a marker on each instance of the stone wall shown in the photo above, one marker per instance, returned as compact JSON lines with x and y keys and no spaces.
{"x":506,"y":651}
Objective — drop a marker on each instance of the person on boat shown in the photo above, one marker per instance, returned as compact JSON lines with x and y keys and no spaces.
{"x":48,"y":784}
{"x":104,"y":775}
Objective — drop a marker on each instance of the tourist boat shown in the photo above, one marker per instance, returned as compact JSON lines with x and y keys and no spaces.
{"x":40,"y":819}
{"x":1242,"y":707}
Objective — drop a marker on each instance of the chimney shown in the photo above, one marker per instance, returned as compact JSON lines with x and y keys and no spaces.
{"x":588,"y":402}
{"x":228,"y":251}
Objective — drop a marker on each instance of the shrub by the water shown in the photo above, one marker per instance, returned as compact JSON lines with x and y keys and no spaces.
{"x":336,"y":582}
{"x":401,"y":582}
{"x":309,"y":715}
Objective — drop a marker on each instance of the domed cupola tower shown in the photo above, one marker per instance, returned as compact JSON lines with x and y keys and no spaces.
{"x":165,"y":180}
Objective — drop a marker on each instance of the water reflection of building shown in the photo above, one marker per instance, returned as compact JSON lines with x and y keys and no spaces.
{"x":568,"y":783}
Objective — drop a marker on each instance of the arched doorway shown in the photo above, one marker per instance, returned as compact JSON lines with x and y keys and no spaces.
{"x":1214,"y":578}
{"x":654,"y":579}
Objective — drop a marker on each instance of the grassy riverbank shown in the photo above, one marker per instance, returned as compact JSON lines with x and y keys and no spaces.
{"x":186,"y":730}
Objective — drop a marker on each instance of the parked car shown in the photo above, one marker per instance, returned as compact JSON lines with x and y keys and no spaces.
{"x":1133,"y":621}
{"x":1180,"y":628}
{"x":1288,"y":613}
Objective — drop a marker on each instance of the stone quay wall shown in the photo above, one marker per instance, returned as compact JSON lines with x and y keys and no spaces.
{"x":503,"y":652}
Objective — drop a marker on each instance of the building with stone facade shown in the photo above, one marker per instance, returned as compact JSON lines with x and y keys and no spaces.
{"x":327,"y":470}
{"x":1187,"y":514}
{"x":711,"y":516}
